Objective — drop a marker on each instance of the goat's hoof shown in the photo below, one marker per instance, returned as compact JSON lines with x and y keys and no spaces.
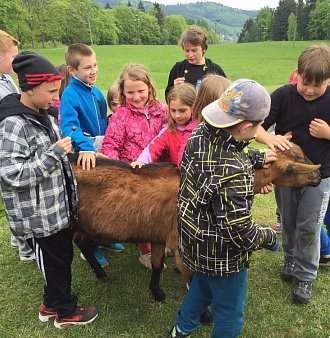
{"x":177,"y":270}
{"x":159,"y":296}
{"x":101,"y":275}
{"x":206,"y":317}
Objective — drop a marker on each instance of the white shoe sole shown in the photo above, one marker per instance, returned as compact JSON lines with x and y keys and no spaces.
{"x":45,"y":319}
{"x":71,"y":324}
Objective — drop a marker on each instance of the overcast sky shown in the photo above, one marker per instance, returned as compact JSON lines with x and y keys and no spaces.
{"x":243,"y":4}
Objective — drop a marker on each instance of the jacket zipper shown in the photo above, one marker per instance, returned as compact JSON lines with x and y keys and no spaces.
{"x":97,"y":114}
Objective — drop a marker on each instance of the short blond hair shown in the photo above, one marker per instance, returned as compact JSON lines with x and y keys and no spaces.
{"x":75,"y":52}
{"x":7,"y":41}
{"x":314,"y":64}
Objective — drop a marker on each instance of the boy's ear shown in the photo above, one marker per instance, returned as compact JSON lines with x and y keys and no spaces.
{"x":71,"y":70}
{"x":30,"y":92}
{"x":243,"y":127}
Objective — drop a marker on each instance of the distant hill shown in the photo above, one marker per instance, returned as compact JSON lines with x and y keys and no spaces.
{"x":225,"y":19}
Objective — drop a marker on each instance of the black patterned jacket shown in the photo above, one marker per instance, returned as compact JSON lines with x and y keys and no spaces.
{"x":216,"y":230}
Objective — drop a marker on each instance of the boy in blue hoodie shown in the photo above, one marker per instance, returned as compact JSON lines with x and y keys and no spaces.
{"x":84,"y":110}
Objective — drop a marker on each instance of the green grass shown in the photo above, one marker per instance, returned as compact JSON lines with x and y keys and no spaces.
{"x":269,"y":63}
{"x":125,"y":306}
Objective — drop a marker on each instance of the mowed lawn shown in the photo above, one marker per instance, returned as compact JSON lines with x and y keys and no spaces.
{"x":269,"y":63}
{"x":125,"y":306}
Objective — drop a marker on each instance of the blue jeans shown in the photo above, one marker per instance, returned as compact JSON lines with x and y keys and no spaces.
{"x":226,"y":295}
{"x":325,"y":236}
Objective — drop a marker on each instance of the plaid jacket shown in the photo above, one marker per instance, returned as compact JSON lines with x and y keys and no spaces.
{"x":216,"y":230}
{"x":35,"y":177}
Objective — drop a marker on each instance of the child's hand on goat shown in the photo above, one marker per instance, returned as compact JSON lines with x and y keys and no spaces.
{"x":65,"y":144}
{"x":270,"y":157}
{"x":87,"y":160}
{"x":137,"y":164}
{"x":319,"y":129}
{"x":266,"y":189}
{"x":279,"y":141}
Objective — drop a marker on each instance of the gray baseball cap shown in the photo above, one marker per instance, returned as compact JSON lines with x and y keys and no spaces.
{"x":244,"y":100}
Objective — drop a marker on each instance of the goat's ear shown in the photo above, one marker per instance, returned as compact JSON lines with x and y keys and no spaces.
{"x":300,"y":168}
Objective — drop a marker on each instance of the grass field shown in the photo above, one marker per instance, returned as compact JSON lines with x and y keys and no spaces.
{"x":125,"y":306}
{"x":269,"y":63}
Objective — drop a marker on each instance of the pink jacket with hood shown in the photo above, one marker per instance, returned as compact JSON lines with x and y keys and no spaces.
{"x":131,"y":129}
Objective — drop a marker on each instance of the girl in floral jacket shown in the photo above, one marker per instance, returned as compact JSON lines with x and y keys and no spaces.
{"x":137,"y":121}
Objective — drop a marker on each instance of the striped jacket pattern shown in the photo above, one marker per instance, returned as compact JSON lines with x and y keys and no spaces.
{"x":216,"y":230}
{"x":37,"y":184}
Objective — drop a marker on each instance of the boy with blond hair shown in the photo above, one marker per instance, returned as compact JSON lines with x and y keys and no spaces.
{"x":32,"y":163}
{"x":304,"y":110}
{"x":8,"y":51}
{"x":84,"y":109}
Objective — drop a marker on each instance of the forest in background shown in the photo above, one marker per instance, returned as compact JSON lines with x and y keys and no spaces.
{"x":49,"y":23}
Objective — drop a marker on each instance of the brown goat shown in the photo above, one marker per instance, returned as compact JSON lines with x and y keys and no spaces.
{"x":118,"y":203}
{"x":292,"y":168}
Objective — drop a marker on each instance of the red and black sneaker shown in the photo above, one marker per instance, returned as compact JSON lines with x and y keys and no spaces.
{"x":83,"y":315}
{"x":46,"y":314}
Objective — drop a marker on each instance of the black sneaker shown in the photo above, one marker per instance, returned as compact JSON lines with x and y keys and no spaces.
{"x":324,"y":261}
{"x":83,"y":315}
{"x":287,"y":271}
{"x":175,"y":334}
{"x":302,"y":292}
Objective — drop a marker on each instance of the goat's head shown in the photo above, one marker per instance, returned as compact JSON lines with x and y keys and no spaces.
{"x":292,"y":168}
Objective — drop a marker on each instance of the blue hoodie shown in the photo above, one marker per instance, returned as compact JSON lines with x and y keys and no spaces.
{"x":84,"y":107}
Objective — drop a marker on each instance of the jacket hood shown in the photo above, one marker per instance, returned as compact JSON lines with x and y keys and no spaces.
{"x":10,"y":105}
{"x":153,"y":109}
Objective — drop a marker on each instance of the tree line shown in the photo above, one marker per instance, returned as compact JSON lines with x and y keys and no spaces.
{"x":35,"y":22}
{"x":291,"y":20}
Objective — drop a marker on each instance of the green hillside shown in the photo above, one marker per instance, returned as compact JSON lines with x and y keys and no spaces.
{"x":225,"y":19}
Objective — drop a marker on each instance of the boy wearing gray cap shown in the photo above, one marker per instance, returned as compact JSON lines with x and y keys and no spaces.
{"x":37,"y":184}
{"x":216,"y":230}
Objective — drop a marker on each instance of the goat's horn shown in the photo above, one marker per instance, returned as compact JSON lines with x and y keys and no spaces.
{"x":300,"y":168}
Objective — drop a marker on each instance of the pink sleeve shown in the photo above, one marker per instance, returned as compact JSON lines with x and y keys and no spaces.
{"x":114,"y":137}
{"x":146,"y":156}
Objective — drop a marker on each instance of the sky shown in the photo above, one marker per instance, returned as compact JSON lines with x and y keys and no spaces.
{"x":242,"y":4}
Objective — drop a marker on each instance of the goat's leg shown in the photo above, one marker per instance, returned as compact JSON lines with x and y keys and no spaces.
{"x":87,"y":248}
{"x":157,"y":261}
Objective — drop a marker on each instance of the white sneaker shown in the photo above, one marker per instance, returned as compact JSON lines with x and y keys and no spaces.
{"x":28,"y":259}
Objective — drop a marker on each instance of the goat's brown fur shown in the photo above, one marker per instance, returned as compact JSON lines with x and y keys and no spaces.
{"x":291,"y":169}
{"x":118,"y":203}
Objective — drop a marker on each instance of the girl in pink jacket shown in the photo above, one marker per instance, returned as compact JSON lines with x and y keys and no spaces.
{"x":137,"y":121}
{"x":168,"y":142}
